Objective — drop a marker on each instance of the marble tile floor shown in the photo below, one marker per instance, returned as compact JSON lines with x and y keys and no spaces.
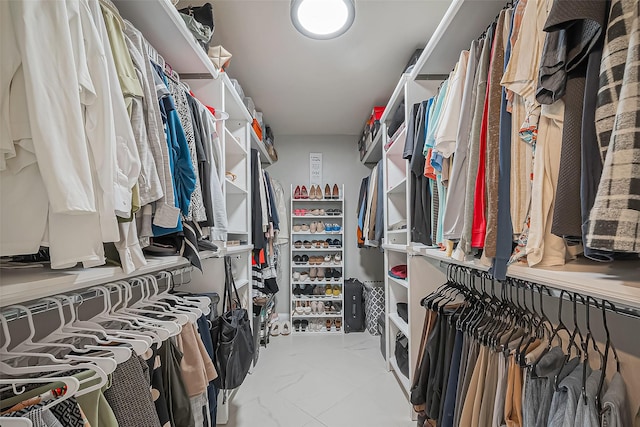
{"x":321,"y":381}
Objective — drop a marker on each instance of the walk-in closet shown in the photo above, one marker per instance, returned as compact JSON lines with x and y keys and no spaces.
{"x":319,"y":213}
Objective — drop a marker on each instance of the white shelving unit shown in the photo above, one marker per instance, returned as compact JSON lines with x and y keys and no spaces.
{"x":300,"y":297}
{"x":463,"y":22}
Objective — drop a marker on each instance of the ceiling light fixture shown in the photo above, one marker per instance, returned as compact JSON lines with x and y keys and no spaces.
{"x":323,"y":19}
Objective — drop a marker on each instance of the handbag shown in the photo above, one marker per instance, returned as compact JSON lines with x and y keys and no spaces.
{"x":402,"y":353}
{"x":232,"y":337}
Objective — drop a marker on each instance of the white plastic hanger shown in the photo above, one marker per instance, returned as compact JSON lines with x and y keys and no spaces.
{"x":120,"y":353}
{"x":165,"y":295}
{"x":107,"y":364}
{"x":163,"y":328}
{"x":192,"y":309}
{"x":110,"y":316}
{"x":138,"y":306}
{"x":72,"y":384}
{"x":139,"y":346}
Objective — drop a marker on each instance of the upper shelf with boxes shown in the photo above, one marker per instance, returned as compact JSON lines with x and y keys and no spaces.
{"x":370,"y":144}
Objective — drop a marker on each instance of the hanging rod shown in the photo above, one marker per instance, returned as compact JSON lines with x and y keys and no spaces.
{"x":555,"y":291}
{"x":39,"y":306}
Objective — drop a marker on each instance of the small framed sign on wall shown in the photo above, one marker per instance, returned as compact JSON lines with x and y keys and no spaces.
{"x":315,"y":169}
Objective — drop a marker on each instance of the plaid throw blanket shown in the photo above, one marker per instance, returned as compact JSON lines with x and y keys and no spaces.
{"x":614,"y":222}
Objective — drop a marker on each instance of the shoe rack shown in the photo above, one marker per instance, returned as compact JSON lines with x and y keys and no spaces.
{"x":317,"y":260}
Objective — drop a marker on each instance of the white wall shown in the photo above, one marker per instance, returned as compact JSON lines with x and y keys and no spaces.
{"x":341,"y":165}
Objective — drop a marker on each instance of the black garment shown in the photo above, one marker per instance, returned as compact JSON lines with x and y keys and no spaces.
{"x":444,"y":372}
{"x":178,"y":402}
{"x":204,"y":165}
{"x":420,"y":188}
{"x":272,"y":202}
{"x":420,"y":391}
{"x":257,"y":235}
{"x":157,"y":384}
{"x":577,"y":26}
{"x":362,"y":201}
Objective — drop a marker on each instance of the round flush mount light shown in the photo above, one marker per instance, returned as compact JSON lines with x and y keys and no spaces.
{"x":323,"y":19}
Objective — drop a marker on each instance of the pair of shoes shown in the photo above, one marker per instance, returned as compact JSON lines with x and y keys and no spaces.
{"x":337,"y":258}
{"x":315,"y":260}
{"x":317,"y":307}
{"x":316,"y":212}
{"x":317,"y":227}
{"x":334,"y":290}
{"x":300,"y":212}
{"x":278,"y":328}
{"x":333,"y":243}
{"x":297,"y":244}
{"x":296,"y":288}
{"x":332,"y":228}
{"x":300,"y":324}
{"x":300,"y":193}
{"x":334,"y":212}
{"x":330,"y":193}
{"x":315,"y":193}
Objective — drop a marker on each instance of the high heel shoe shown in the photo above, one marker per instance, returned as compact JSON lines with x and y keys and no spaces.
{"x":338,"y":323}
{"x":335,"y":194}
{"x":303,"y":193}
{"x":307,"y":308}
{"x":296,"y":193}
{"x":327,"y":192}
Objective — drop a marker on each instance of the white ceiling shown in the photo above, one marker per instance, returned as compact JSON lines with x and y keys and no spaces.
{"x":321,"y":87}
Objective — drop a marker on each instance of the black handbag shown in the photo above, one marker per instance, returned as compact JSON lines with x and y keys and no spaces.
{"x":203,"y":14}
{"x":232,"y":337}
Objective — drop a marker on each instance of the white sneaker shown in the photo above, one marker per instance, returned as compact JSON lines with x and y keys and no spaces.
{"x":286,"y":328}
{"x":275,"y":329}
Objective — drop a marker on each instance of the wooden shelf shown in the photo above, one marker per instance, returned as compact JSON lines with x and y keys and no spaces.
{"x":374,"y":151}
{"x":399,"y":188}
{"x":400,"y":324}
{"x":394,"y":248}
{"x":162,"y":26}
{"x":18,"y":286}
{"x":401,"y":282}
{"x":618,"y":282}
{"x":396,"y":97}
{"x":463,"y":22}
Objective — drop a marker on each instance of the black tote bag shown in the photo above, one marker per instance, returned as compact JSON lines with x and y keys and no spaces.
{"x":232,"y":337}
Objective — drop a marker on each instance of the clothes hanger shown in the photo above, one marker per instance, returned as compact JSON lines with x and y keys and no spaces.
{"x":105,"y":359}
{"x":142,"y":306}
{"x":72,"y":386}
{"x":608,"y":345}
{"x":120,"y":354}
{"x":164,"y":329}
{"x":193,"y":306}
{"x":571,"y":342}
{"x":128,"y":335}
{"x":139,"y":346}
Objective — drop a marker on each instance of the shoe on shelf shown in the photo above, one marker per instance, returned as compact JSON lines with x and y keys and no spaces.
{"x":286,"y":328}
{"x":299,"y":308}
{"x":297,"y":228}
{"x":337,"y":243}
{"x":303,"y":193}
{"x":315,"y":212}
{"x":338,"y":323}
{"x":307,"y":244}
{"x":328,"y":274}
{"x":296,"y":276}
{"x":314,"y":227}
{"x":327,"y":191}
{"x":320,"y":273}
{"x":335,"y":193}
{"x":297,"y":244}
{"x":320,"y":227}
{"x":336,"y":290}
{"x":304,"y":227}
{"x":296,"y":325}
{"x":328,"y":324}
{"x":304,"y":259}
{"x":296,"y":288}
{"x":304,"y":324}
{"x":314,"y":307}
{"x":336,"y":274}
{"x":321,"y":212}
{"x":304,"y":276}
{"x":327,"y":259}
{"x":326,"y":244}
{"x":337,"y":258}
{"x":312,"y":274}
{"x":297,"y":194}
{"x":297,"y":259}
{"x":328,"y":291}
